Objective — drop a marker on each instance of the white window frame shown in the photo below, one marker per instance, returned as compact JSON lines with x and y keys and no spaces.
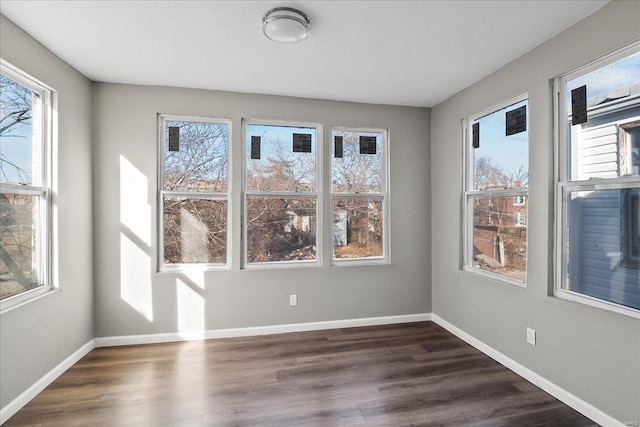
{"x":519,"y":219}
{"x":162,"y":193}
{"x":317,"y":196}
{"x":628,"y":254}
{"x":518,"y":201}
{"x":469,"y":194}
{"x":385,"y":258}
{"x":563,"y":184}
{"x":41,"y":188}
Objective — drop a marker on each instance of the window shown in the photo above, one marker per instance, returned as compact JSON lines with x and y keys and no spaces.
{"x":358,"y":194}
{"x":496,"y":192}
{"x":598,"y":110}
{"x":630,"y":148}
{"x":631,"y":228}
{"x":281,"y":188}
{"x":25,"y":188}
{"x":194,"y":193}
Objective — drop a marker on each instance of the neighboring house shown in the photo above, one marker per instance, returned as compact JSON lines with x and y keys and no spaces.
{"x":605,"y":224}
{"x":500,"y":231}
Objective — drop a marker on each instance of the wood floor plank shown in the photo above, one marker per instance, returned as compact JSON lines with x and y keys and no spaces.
{"x":392,"y":375}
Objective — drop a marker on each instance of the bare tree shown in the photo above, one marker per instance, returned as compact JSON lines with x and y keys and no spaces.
{"x":494,"y":217}
{"x":282,"y":170}
{"x":16,"y":110}
{"x":281,"y":229}
{"x":195,"y":228}
{"x":489,"y":176}
{"x":17,"y":234}
{"x":200,"y":163}
{"x":356,"y":173}
{"x":517,"y":178}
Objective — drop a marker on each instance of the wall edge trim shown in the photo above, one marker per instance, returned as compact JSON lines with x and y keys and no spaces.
{"x":553,"y":389}
{"x":259,"y":330}
{"x":19,"y":402}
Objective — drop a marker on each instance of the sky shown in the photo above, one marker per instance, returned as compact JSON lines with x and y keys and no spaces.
{"x":272,"y":134}
{"x":602,"y":80}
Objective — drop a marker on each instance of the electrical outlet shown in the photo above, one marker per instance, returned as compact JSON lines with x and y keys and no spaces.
{"x":293,"y":300}
{"x":531,"y":336}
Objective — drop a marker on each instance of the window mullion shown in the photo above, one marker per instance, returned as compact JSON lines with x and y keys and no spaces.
{"x":195,"y":195}
{"x":354,"y":196}
{"x":280,"y":195}
{"x":498,"y":193}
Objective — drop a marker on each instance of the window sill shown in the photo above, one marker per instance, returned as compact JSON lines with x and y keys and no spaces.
{"x":281,"y":265}
{"x":180,"y":268}
{"x":345,"y":262}
{"x":19,"y":300}
{"x":493,"y":277}
{"x":597,"y":303}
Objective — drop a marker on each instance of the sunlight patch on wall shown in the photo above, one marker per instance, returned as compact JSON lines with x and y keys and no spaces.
{"x":135,"y":211}
{"x":135,"y":277}
{"x":195,"y":276}
{"x":190,"y":311}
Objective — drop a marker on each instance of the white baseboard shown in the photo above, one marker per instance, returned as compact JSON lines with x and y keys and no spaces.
{"x":556,"y":391}
{"x":16,"y":404}
{"x":259,"y":330}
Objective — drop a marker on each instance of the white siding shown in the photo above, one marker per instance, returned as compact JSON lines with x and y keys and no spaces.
{"x":597,"y":152}
{"x":597,"y":231}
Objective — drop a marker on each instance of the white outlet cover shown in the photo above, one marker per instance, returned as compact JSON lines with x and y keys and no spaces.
{"x":531,"y":336}
{"x":293,"y":300}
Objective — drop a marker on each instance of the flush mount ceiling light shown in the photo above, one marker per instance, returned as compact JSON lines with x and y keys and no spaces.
{"x":285,"y":25}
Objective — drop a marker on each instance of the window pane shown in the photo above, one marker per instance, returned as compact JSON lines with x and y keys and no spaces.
{"x":280,"y":229}
{"x":600,"y":250}
{"x":19,"y":238}
{"x":500,"y":235}
{"x":357,"y":228}
{"x":606,"y":145}
{"x":629,"y":135}
{"x":500,"y":161}
{"x":17,"y":155}
{"x":356,"y":169}
{"x":632,"y":225}
{"x":196,"y":158}
{"x":277,"y":162}
{"x":195,"y":231}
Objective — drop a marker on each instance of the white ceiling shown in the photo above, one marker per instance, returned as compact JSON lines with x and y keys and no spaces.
{"x":414,"y":53}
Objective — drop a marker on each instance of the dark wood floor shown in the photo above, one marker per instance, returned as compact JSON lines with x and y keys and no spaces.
{"x":409,"y":374}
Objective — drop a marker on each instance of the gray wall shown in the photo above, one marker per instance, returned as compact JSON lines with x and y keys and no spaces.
{"x":589,"y":352}
{"x":131,"y":298}
{"x":36,"y":337}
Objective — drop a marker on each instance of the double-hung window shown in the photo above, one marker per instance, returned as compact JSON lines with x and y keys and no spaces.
{"x":598,"y":138}
{"x":25,"y":187}
{"x":496,"y":146}
{"x":281,"y":187}
{"x":359,"y":195}
{"x":194,"y":192}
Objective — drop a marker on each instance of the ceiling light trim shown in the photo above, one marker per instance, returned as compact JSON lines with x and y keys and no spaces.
{"x":285,"y":25}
